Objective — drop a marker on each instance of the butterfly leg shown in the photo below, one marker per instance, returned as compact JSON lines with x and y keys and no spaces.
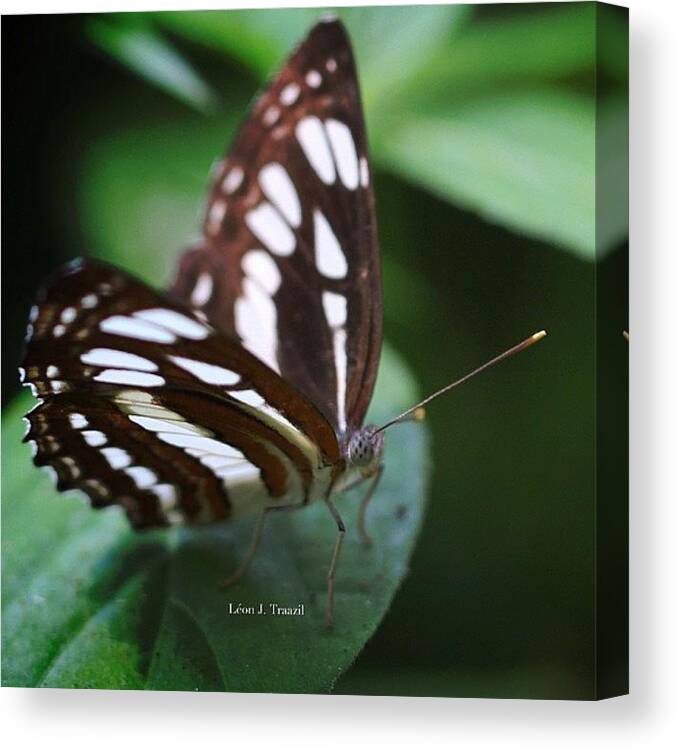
{"x":365,"y":538}
{"x":254,"y":544}
{"x":329,"y":612}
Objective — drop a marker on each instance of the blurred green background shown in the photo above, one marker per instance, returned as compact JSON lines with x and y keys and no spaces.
{"x":482,"y":123}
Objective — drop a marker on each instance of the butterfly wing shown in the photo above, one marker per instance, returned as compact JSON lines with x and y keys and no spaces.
{"x":289,"y":261}
{"x":142,"y":403}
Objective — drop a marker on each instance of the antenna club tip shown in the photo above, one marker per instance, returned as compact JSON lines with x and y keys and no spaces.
{"x":419,"y":414}
{"x":538,"y":336}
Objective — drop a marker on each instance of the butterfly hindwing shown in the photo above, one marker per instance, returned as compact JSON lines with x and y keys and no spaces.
{"x":145,"y":404}
{"x":289,"y":260}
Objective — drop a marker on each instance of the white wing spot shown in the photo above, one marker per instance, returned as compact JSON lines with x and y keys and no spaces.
{"x":233,"y":180}
{"x":271,"y":116}
{"x":279,"y":189}
{"x":33,"y":314}
{"x":94,"y":438}
{"x":202,"y":291}
{"x":78,"y":421}
{"x":265,"y":222}
{"x":216,"y":216}
{"x":166,"y":494}
{"x":70,"y":466}
{"x":280,"y":132}
{"x":331,"y":65}
{"x":334,"y":306}
{"x":313,"y":79}
{"x":211,"y":374}
{"x":141,"y":476}
{"x":174,"y":322}
{"x":58,"y":330}
{"x":129,"y":377}
{"x":260,"y":268}
{"x":116,"y":358}
{"x":89,"y":300}
{"x":345,"y":152}
{"x":121,"y":325}
{"x":329,"y":258}
{"x":289,"y":94}
{"x":52,"y":371}
{"x":98,"y":487}
{"x":117,"y":457}
{"x":364,"y":172}
{"x":311,"y":136}
{"x":68,"y":315}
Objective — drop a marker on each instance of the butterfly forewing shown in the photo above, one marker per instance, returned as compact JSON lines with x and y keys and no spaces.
{"x":289,"y":260}
{"x":145,"y":404}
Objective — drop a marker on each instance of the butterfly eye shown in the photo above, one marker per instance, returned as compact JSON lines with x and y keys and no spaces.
{"x":363,"y":446}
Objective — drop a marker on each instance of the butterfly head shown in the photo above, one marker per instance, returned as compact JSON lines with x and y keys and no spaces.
{"x":365,"y":448}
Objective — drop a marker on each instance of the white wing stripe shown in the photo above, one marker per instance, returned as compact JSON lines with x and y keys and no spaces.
{"x":311,"y":136}
{"x":211,"y":374}
{"x":117,"y":358}
{"x":256,"y":323}
{"x":345,"y":152}
{"x":267,"y":225}
{"x":279,"y":189}
{"x":262,"y":270}
{"x":335,"y":307}
{"x":129,"y":377}
{"x":120,"y":325}
{"x":164,"y":425}
{"x":329,"y":258}
{"x":197,"y":441}
{"x":175,"y":322}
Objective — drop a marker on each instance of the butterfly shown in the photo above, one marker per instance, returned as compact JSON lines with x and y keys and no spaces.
{"x":242,"y":389}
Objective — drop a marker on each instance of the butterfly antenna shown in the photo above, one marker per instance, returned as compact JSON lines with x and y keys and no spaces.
{"x":417,"y":411}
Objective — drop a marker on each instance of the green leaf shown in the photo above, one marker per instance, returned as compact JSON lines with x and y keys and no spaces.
{"x":525,"y":159}
{"x":258,"y":38}
{"x":391,"y":43}
{"x":539,"y":46}
{"x":88,"y":603}
{"x":142,"y":189}
{"x":138,"y":46}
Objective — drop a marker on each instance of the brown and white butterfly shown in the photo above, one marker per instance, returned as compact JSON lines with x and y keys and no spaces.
{"x":244,"y":388}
